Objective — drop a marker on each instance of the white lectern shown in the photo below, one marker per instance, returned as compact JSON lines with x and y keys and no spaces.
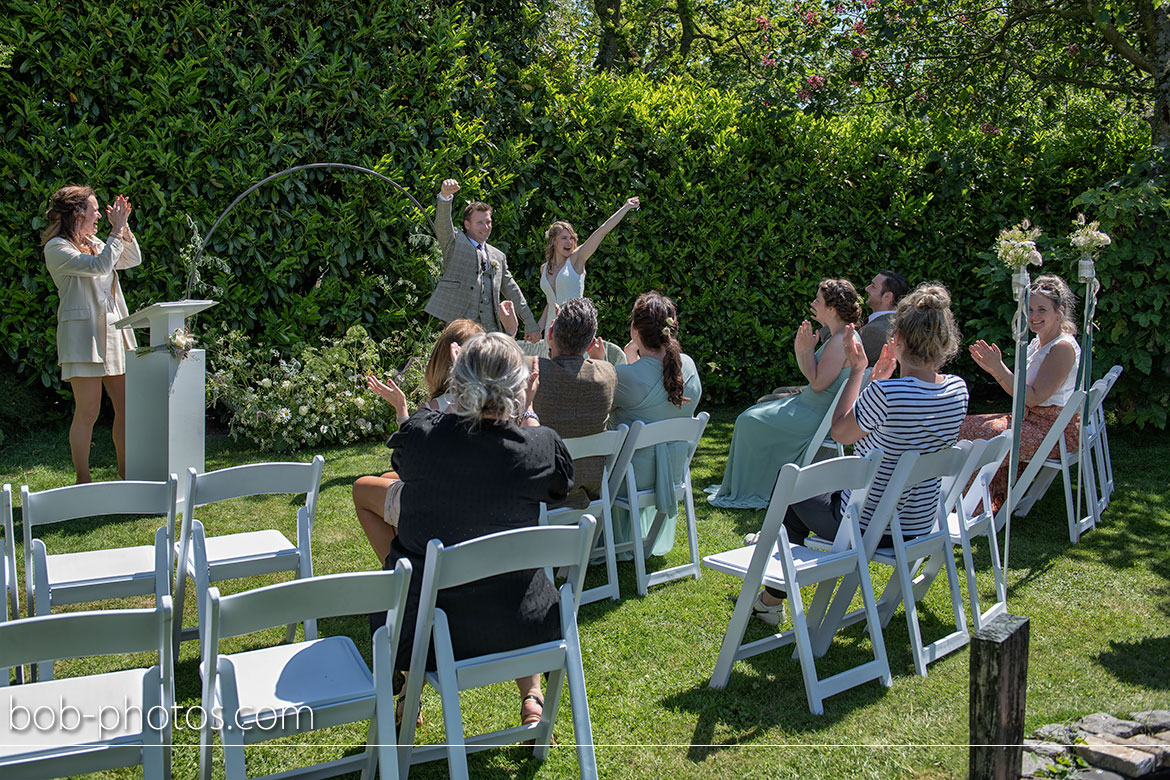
{"x":165,"y":397}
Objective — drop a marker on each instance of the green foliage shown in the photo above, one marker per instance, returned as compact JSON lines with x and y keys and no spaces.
{"x":318,"y":396}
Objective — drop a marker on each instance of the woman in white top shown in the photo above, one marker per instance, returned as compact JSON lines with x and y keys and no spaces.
{"x":1053,"y":356}
{"x":90,"y":350}
{"x":562,"y":276}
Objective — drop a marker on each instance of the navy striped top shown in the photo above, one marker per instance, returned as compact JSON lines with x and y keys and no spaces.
{"x":908,"y":415}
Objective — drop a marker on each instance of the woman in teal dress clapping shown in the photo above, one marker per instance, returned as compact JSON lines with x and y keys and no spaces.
{"x":773,"y":433}
{"x":659,"y":382}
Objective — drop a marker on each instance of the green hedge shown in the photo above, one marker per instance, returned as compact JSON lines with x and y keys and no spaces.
{"x":745,"y":208}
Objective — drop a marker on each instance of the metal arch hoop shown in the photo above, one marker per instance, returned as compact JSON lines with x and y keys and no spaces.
{"x":286,"y":172}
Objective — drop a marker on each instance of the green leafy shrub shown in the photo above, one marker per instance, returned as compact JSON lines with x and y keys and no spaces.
{"x":317,"y":396}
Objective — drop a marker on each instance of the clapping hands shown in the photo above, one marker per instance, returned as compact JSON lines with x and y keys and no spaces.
{"x":987,"y":356}
{"x":854,"y":353}
{"x":390,"y":393}
{"x":806,"y":337}
{"x":118,"y":213}
{"x":886,"y":363}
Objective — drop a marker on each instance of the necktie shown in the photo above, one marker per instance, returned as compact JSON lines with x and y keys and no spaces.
{"x":481,"y":250}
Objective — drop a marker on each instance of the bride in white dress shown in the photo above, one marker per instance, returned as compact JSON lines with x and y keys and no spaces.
{"x":562,"y":276}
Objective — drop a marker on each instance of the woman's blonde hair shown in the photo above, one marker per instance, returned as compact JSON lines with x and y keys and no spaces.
{"x":489,"y":378}
{"x":437,"y":374}
{"x":926,"y":325}
{"x":62,"y":214}
{"x":1057,"y":290}
{"x":550,"y":237}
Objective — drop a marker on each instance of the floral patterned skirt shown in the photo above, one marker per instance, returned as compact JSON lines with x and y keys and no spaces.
{"x":1038,"y":421}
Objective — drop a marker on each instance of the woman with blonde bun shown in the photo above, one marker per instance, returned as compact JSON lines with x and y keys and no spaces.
{"x":483,"y":467}
{"x":919,"y":411}
{"x":90,"y":350}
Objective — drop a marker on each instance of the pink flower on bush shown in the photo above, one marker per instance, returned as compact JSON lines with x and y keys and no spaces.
{"x":803,"y":94}
{"x":869,"y":3}
{"x":1072,"y":50}
{"x":989,"y":129}
{"x":815,"y":82}
{"x":859,"y":53}
{"x":763,"y":22}
{"x":810,"y":18}
{"x":859,"y":28}
{"x":768,"y":62}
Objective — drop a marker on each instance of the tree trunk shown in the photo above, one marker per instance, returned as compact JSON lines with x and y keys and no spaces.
{"x":1160,"y":54}
{"x":609,"y":13}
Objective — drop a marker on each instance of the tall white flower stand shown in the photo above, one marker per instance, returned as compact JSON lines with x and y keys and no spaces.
{"x":1020,"y":285}
{"x":165,"y":397}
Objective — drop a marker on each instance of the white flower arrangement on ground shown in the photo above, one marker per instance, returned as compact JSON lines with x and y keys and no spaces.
{"x":1088,"y":238}
{"x":1016,"y":246}
{"x":317,"y":396}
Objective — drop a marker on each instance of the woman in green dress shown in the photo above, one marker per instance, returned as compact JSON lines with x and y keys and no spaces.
{"x":773,"y":433}
{"x":658,"y":383}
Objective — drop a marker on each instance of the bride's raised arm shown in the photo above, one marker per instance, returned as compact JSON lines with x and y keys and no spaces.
{"x":586,"y":250}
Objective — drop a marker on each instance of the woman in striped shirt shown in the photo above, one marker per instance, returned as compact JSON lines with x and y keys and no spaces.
{"x":919,"y":411}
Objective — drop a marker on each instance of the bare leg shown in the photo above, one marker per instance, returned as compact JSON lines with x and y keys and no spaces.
{"x":531,"y":701}
{"x":116,"y":390}
{"x":87,"y":402}
{"x":369,"y":500}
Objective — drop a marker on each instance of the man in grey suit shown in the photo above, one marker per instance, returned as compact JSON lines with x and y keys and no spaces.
{"x":576,"y":391}
{"x":882,"y":296}
{"x":474,"y":272}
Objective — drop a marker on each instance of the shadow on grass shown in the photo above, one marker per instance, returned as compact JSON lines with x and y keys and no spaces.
{"x":1141,"y":663}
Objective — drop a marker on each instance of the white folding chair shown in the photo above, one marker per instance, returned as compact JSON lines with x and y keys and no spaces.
{"x":95,"y":575}
{"x":488,"y":556}
{"x":822,"y":444}
{"x":275,"y":692}
{"x":972,"y":517}
{"x":1097,"y":442}
{"x":210,"y":559}
{"x":1042,"y":470}
{"x":910,"y":558}
{"x":774,"y":560}
{"x":99,"y":721}
{"x":10,"y":607}
{"x":687,"y":430}
{"x":607,"y":444}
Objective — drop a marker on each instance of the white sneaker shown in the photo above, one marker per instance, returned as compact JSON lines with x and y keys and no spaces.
{"x":772,"y":614}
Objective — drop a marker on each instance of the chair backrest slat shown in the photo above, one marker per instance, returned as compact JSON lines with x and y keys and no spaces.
{"x":357,"y":593}
{"x":84,"y":634}
{"x":96,"y":499}
{"x":912,"y":469}
{"x":508,"y":551}
{"x":606,"y":444}
{"x":257,"y":479}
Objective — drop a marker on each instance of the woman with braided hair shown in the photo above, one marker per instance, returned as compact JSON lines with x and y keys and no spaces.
{"x":659,"y":382}
{"x":774,"y":433}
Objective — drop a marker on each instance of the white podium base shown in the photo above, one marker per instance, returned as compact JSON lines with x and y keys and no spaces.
{"x":165,"y":408}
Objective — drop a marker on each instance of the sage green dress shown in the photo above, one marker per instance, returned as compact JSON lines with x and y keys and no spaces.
{"x":767,"y":436}
{"x":640,"y":396}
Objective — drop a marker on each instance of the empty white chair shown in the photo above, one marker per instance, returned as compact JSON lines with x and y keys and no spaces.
{"x":908,"y":556}
{"x":210,"y":559}
{"x":278,"y":691}
{"x":488,"y":556}
{"x":98,"y":721}
{"x":10,"y":607}
{"x":93,"y":575}
{"x":1042,"y":470}
{"x":1097,"y":443}
{"x":970,"y":516}
{"x":607,"y":444}
{"x":775,"y":561}
{"x":686,"y":430}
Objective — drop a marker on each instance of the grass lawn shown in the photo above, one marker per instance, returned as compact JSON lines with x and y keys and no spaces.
{"x":1100,"y":635}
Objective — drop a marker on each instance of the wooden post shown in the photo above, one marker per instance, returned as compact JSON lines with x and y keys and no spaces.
{"x":999,"y":678}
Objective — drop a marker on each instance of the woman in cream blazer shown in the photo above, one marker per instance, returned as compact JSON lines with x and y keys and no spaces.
{"x":90,"y":350}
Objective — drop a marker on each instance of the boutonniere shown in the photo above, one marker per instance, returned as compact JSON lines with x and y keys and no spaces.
{"x":495,"y":264}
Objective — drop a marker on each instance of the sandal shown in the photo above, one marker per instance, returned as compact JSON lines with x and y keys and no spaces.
{"x":400,"y":707}
{"x":532,"y":717}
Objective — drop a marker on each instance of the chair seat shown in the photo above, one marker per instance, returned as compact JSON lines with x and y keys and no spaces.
{"x":313,"y":674}
{"x":235,"y":548}
{"x":736,"y":562}
{"x":94,"y":567}
{"x":102,"y":703}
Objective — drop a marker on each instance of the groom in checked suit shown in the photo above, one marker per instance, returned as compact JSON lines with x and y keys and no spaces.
{"x":474,"y":272}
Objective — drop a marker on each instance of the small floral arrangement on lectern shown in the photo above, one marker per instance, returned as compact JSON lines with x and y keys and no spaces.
{"x":1016,"y":246}
{"x":1088,"y":238}
{"x":181,"y":342}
